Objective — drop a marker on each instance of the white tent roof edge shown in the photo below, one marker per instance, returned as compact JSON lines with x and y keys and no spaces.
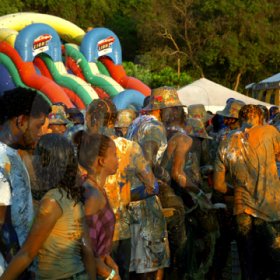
{"x":212,"y":95}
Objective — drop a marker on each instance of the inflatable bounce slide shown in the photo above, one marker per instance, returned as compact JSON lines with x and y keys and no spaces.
{"x":86,"y":67}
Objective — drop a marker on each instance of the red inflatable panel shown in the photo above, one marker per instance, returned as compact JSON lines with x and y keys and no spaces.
{"x":118,"y":73}
{"x":72,"y":65}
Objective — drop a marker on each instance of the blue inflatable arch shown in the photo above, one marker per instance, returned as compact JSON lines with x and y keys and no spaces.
{"x":99,"y":42}
{"x":129,"y":97}
{"x":38,"y":38}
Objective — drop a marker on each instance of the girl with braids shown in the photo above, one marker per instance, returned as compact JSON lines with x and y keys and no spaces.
{"x":59,"y":234}
{"x":97,"y":155}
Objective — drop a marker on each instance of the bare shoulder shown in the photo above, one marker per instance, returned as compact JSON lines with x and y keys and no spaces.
{"x":94,"y":199}
{"x":266,"y":130}
{"x":180,"y":140}
{"x":49,"y":206}
{"x":180,"y":137}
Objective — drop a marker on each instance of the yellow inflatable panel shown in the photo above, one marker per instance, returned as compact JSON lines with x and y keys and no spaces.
{"x":8,"y":35}
{"x":68,"y":31}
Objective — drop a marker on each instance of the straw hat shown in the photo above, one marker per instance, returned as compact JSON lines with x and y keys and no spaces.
{"x":125,"y":117}
{"x":198,"y":111}
{"x":196,"y":128}
{"x":232,"y":109}
{"x":163,"y":97}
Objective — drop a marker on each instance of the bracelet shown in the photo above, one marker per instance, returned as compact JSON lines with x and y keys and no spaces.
{"x":112,"y":274}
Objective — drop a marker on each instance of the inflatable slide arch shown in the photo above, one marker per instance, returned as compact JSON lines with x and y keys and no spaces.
{"x":91,"y":72}
{"x":102,"y":44}
{"x":30,"y":78}
{"x":54,"y":68}
{"x":51,"y":54}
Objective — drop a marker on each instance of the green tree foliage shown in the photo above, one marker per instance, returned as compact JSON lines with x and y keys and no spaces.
{"x":84,"y":13}
{"x":241,"y":38}
{"x":166,"y":76}
{"x":125,"y":28}
{"x":227,"y":41}
{"x":9,"y":7}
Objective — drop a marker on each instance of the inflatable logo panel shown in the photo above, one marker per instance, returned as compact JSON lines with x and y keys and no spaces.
{"x":105,"y":46}
{"x":40,"y":44}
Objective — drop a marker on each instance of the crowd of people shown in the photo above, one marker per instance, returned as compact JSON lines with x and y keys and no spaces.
{"x":161,"y":193}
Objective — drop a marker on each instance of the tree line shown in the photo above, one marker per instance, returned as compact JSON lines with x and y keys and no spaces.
{"x":173,"y":42}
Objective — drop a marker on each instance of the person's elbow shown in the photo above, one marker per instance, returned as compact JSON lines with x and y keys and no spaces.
{"x":219,"y":183}
{"x":220,"y":188}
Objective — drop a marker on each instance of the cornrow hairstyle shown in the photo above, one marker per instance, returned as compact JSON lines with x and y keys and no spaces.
{"x":102,"y":111}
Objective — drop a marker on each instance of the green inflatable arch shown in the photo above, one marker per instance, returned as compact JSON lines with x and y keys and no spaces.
{"x":90,"y":77}
{"x":65,"y":81}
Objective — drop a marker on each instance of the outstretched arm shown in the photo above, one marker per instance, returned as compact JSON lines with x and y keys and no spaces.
{"x":48,"y":214}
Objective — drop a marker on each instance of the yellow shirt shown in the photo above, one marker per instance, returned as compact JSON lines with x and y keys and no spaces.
{"x":60,"y":256}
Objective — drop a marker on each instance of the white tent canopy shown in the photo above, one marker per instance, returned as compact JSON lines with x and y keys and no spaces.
{"x":213,"y":96}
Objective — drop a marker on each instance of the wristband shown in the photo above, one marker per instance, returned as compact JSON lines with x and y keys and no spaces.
{"x":112,"y":274}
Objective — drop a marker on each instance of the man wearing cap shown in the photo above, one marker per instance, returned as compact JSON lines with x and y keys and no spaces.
{"x":197,"y":111}
{"x":176,"y":222}
{"x":58,"y":120}
{"x":230,"y":114}
{"x":186,"y":162}
{"x":165,"y":104}
{"x":150,"y":133}
{"x":248,"y":155}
